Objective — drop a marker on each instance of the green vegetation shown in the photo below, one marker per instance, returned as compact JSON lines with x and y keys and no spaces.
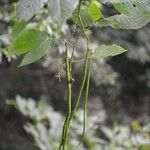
{"x":34,"y":43}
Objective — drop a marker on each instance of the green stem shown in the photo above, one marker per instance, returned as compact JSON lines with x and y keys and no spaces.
{"x":80,"y":60}
{"x":69,"y":99}
{"x":79,"y":7}
{"x":86,"y":97}
{"x":86,"y":100}
{"x":81,"y":86}
{"x":71,"y":59}
{"x":70,"y":113}
{"x":85,"y":65}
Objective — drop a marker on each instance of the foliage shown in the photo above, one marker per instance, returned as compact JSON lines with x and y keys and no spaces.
{"x":105,"y":51}
{"x":45,"y":128}
{"x":134,"y":15}
{"x":66,"y":8}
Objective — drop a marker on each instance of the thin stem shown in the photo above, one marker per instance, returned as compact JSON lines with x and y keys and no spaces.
{"x":85,"y":65}
{"x":69,"y":99}
{"x":82,"y":25}
{"x":67,"y":64}
{"x":80,"y":60}
{"x":71,"y":59}
{"x":86,"y":101}
{"x":86,"y":97}
{"x":81,"y":86}
{"x":70,"y":113}
{"x":79,"y":7}
{"x":71,"y":62}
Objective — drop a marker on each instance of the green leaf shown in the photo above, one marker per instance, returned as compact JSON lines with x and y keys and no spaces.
{"x":26,"y":41}
{"x":60,"y":10}
{"x":120,"y":1}
{"x":125,"y":22}
{"x":134,"y":8}
{"x":26,"y":9}
{"x":106,"y":51}
{"x":145,"y":147}
{"x":86,"y":18}
{"x":134,"y":14}
{"x":135,"y":125}
{"x":36,"y":54}
{"x":19,"y":26}
{"x":94,"y":10}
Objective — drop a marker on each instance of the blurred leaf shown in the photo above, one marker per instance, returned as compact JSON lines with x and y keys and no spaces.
{"x":26,"y":41}
{"x":94,"y":10}
{"x":108,"y":132}
{"x":121,"y":1}
{"x":109,"y":138}
{"x":136,"y":126}
{"x":21,"y":105}
{"x":60,"y":10}
{"x":26,"y":9}
{"x":145,"y":147}
{"x":105,"y":51}
{"x":146,"y":128}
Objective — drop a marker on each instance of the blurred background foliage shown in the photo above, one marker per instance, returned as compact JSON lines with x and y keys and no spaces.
{"x":119,"y":102}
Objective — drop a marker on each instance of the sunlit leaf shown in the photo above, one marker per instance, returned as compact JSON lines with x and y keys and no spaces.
{"x":26,"y":41}
{"x":94,"y":11}
{"x":106,"y":51}
{"x":36,"y":54}
{"x":19,"y":26}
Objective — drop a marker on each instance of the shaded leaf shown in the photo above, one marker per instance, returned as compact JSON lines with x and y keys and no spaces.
{"x":26,"y":9}
{"x":60,"y":10}
{"x":86,"y":18}
{"x":120,"y":1}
